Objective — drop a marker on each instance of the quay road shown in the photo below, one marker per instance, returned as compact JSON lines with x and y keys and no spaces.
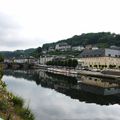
{"x":97,"y":74}
{"x":78,"y":73}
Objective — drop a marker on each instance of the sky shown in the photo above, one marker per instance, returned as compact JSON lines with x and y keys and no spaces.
{"x":31,"y":23}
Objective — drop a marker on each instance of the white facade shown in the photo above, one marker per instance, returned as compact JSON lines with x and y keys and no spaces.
{"x":51,"y":49}
{"x":95,"y":48}
{"x":112,"y":53}
{"x":45,"y":59}
{"x":62,"y":47}
{"x":20,"y":60}
{"x":78,"y":48}
{"x":8,"y":60}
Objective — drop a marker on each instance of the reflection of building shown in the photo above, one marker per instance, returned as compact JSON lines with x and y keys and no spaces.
{"x":99,"y":86}
{"x":102,"y":90}
{"x":62,"y":46}
{"x":42,"y":74}
{"x":98,"y":82}
{"x":100,"y":58}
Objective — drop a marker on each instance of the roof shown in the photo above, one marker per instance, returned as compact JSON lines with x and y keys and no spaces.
{"x":92,"y":53}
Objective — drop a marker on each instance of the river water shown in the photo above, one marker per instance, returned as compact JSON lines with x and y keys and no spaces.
{"x":56,"y":97}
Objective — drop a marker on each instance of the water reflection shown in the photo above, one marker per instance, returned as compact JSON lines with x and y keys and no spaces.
{"x":53,"y":97}
{"x":88,"y":89}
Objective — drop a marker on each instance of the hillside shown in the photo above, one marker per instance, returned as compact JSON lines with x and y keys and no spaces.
{"x":17,"y":53}
{"x":101,"y":39}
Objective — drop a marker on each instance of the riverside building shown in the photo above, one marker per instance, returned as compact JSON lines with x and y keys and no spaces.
{"x":101,"y":58}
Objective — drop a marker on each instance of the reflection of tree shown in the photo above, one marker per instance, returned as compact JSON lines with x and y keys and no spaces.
{"x":62,"y":78}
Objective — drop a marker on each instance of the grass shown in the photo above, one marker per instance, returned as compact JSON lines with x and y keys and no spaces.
{"x":3,"y":105}
{"x":17,"y":101}
{"x":24,"y":113}
{"x":12,"y":107}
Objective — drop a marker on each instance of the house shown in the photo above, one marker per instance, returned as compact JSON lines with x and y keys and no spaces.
{"x":100,"y":58}
{"x":115,"y":47}
{"x":32,"y":60}
{"x":20,"y":60}
{"x":95,"y":48}
{"x":78,"y":48}
{"x":51,"y":49}
{"x":29,"y":60}
{"x":62,"y":46}
{"x":89,"y":47}
{"x":44,"y":59}
{"x":8,"y":60}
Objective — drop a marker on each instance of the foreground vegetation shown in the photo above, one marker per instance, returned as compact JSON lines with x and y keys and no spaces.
{"x":12,"y":107}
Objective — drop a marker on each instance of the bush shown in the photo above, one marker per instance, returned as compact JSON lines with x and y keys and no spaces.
{"x":3,"y":105}
{"x":18,"y":101}
{"x":24,"y":113}
{"x":68,"y":63}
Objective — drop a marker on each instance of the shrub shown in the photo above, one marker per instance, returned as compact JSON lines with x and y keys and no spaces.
{"x":3,"y":105}
{"x":18,"y":101}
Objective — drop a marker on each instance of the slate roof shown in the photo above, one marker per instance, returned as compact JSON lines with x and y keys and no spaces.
{"x":93,"y":53}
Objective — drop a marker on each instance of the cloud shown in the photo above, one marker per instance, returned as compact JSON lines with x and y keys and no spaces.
{"x":12,"y":35}
{"x":30,"y":23}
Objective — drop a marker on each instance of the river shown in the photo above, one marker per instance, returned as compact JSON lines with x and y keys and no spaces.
{"x":56,"y":97}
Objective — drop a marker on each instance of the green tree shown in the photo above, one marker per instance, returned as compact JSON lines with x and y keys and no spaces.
{"x":75,"y":63}
{"x":1,"y":58}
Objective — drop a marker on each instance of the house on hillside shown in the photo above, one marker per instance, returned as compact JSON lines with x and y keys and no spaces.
{"x":95,"y":48}
{"x":51,"y":49}
{"x":62,"y":46}
{"x":78,"y":48}
{"x":115,"y":47}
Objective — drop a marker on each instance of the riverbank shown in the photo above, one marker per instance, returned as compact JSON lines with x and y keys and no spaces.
{"x":12,"y":107}
{"x":78,"y":73}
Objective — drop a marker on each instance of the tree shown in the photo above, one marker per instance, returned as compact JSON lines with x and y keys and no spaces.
{"x":37,"y":52}
{"x":75,"y":63}
{"x":70,"y":63}
{"x":1,"y":58}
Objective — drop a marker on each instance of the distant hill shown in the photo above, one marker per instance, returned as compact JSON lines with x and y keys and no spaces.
{"x":101,"y":39}
{"x":17,"y":53}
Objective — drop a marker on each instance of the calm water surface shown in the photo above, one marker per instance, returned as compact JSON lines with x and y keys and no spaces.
{"x":53,"y":97}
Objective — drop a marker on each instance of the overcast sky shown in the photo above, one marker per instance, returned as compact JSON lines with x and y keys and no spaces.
{"x":30,"y":23}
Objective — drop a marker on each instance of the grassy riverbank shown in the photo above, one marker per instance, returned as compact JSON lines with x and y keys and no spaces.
{"x":12,"y":107}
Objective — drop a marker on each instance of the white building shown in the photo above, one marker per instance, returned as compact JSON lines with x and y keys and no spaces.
{"x":78,"y":48}
{"x":51,"y":49}
{"x":95,"y":48}
{"x":62,"y":46}
{"x":8,"y":60}
{"x":21,"y":60}
{"x":44,"y":59}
